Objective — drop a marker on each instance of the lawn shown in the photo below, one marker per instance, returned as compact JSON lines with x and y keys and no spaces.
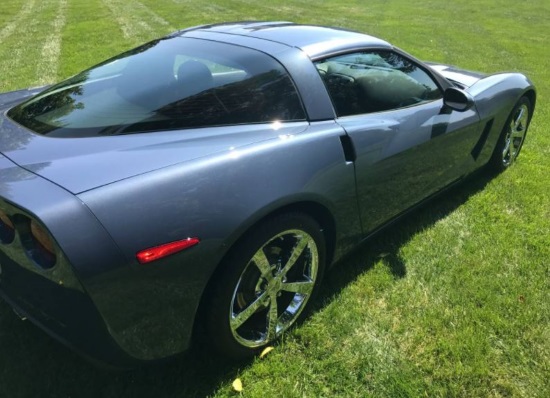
{"x":454,"y":300}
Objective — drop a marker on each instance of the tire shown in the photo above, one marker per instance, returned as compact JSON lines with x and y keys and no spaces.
{"x":512,"y":137}
{"x":265,"y":285}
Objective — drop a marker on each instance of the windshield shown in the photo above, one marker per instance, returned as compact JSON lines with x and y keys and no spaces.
{"x":167,"y":84}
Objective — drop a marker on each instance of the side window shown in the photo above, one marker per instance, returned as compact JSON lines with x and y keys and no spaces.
{"x":212,"y":93}
{"x":375,"y":81}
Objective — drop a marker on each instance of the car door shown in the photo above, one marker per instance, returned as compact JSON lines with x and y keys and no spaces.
{"x":408,"y":144}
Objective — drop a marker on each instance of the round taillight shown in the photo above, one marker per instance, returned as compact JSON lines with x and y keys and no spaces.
{"x":7,"y":230}
{"x":43,"y":250}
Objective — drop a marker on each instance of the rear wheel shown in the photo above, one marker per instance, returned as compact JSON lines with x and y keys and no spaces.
{"x":512,"y":136}
{"x":266,"y":284}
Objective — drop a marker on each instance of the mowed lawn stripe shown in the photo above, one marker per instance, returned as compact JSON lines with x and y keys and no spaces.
{"x":185,"y":13}
{"x":48,"y":65}
{"x":137,"y":22}
{"x":11,"y":26}
{"x":20,"y":53}
{"x":90,"y":36}
{"x":128,"y":28}
{"x":152,"y":15}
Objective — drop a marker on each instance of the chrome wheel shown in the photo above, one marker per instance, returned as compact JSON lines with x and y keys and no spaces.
{"x":515,"y":135}
{"x":265,"y":284}
{"x":512,"y":136}
{"x":274,"y":288}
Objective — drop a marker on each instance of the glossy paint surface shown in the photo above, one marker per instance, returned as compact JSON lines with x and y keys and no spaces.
{"x":104,"y":199}
{"x":405,"y":155}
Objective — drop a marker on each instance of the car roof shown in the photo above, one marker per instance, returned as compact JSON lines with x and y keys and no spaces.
{"x":313,"y":40}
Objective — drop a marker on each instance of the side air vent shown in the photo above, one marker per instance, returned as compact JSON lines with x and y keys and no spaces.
{"x":349,"y":149}
{"x":482,"y":139}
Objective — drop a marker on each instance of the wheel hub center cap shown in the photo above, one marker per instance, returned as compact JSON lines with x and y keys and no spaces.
{"x":275,"y":285}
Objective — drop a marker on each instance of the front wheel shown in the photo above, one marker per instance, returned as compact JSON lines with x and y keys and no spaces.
{"x":512,"y":137}
{"x":266,"y":284}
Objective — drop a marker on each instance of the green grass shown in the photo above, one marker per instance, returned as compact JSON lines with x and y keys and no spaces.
{"x":454,"y":300}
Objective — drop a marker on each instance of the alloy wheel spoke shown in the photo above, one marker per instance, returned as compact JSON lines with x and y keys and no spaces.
{"x":262,"y":263}
{"x":272,"y":319}
{"x":296,"y":252}
{"x":267,"y":312}
{"x":512,"y":148}
{"x":519,"y":120}
{"x":298,"y":287}
{"x":244,"y":315}
{"x":517,"y":133}
{"x":506,"y":151}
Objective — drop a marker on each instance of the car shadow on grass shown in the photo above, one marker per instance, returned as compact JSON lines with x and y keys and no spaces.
{"x":32,"y":364}
{"x":387,"y":243}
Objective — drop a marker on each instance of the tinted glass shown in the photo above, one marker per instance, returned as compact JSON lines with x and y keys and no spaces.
{"x":174,"y":83}
{"x":375,"y":81}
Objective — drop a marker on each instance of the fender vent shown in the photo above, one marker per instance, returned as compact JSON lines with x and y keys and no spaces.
{"x":349,"y":149}
{"x":482,"y":139}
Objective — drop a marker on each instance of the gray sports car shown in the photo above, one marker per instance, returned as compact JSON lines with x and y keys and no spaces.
{"x":211,"y":176}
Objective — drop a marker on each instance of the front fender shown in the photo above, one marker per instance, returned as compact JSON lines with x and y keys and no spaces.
{"x":495,"y":96}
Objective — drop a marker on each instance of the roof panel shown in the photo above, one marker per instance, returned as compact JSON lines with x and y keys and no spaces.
{"x":314,"y":40}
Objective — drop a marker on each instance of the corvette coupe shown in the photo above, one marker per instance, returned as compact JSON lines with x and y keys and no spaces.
{"x":211,"y":176}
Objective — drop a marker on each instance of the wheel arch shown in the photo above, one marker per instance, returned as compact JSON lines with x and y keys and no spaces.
{"x":311,"y":206}
{"x":532,"y":97}
{"x":497,"y":163}
{"x":319,"y":212}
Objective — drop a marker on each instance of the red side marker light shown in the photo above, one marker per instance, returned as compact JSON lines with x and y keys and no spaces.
{"x":158,"y":252}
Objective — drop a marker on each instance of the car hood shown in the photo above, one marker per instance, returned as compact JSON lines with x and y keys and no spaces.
{"x":462,"y":76}
{"x":82,"y":164}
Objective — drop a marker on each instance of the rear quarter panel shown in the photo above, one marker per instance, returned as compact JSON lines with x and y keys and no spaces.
{"x":151,"y":308}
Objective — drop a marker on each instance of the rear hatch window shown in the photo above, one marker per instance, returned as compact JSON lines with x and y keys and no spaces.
{"x":167,"y":84}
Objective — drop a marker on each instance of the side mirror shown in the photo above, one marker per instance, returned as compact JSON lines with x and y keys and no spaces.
{"x":457,"y":99}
